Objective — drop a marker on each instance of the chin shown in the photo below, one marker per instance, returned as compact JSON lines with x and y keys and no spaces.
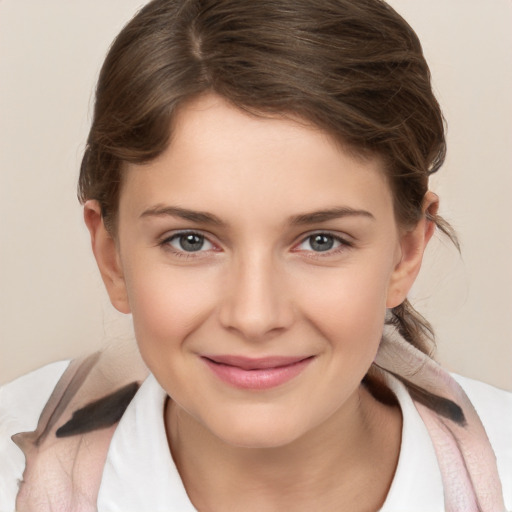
{"x":263,"y":433}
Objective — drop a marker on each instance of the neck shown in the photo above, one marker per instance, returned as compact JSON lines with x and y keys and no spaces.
{"x":347,"y":463}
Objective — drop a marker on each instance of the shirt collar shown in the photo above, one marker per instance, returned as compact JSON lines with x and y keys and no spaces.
{"x":417,"y":484}
{"x":140,"y":473}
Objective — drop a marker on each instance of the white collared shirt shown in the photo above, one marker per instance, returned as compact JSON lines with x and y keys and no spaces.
{"x":140,"y":473}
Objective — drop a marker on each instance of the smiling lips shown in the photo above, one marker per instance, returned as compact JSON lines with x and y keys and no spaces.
{"x":262,"y":373}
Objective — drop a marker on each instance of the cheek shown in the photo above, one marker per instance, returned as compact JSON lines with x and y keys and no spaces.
{"x":167,"y":305}
{"x":348,"y":307}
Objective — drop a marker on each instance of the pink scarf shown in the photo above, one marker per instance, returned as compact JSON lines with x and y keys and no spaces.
{"x":465,"y":456}
{"x":66,"y":453}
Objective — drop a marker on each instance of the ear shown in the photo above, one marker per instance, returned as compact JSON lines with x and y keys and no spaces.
{"x":413,"y":243}
{"x":107,"y":257}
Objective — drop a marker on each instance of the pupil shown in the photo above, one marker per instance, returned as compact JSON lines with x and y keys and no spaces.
{"x":191,"y":242}
{"x":322,"y":242}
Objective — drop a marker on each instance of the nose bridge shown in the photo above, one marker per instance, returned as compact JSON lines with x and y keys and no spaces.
{"x":256,"y":302}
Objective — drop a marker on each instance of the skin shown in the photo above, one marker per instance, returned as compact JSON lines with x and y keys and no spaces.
{"x":259,"y":287}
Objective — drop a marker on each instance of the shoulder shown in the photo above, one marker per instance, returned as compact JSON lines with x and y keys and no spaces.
{"x":22,"y":400}
{"x":31,"y":389}
{"x":21,"y":403}
{"x":494,"y":406}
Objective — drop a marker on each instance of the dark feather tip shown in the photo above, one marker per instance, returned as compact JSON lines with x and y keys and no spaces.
{"x":101,"y":413}
{"x":442,"y":406}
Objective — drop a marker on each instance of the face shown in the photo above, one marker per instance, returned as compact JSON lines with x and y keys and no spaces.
{"x":257,"y":258}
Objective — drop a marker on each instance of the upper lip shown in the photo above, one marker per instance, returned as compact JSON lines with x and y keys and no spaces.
{"x":259,"y":363}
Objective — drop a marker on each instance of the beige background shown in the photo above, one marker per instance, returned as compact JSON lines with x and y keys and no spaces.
{"x":52,"y":304}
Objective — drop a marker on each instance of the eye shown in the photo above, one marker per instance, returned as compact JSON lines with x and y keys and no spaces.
{"x":322,"y":242}
{"x":189,"y":242}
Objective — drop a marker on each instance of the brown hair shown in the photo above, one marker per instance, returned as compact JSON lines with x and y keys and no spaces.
{"x":355,"y":69}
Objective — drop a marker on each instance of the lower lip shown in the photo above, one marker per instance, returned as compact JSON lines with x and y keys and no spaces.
{"x":265,"y":378}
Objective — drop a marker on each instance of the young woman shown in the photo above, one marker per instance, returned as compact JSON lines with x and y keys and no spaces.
{"x":255,"y":184}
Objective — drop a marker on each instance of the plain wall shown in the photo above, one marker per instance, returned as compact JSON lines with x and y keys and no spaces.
{"x":52,"y":302}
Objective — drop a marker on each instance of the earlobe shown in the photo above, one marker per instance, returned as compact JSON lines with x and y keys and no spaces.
{"x":107,"y":256}
{"x":413,"y":243}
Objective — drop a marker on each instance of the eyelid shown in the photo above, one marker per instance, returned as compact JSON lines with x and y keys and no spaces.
{"x":344,"y":241}
{"x":164,"y":242}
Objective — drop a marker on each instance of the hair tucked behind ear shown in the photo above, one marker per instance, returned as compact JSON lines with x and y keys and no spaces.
{"x":353,"y":68}
{"x":412,"y":326}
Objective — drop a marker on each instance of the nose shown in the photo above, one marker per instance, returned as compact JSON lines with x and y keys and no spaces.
{"x":256,"y":303}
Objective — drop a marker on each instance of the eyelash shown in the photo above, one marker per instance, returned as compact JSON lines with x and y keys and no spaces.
{"x":166,"y":244}
{"x":343,"y":245}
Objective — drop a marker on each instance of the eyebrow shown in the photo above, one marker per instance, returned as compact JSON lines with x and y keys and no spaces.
{"x":329,"y":214}
{"x":183,"y":213}
{"x":296,"y":220}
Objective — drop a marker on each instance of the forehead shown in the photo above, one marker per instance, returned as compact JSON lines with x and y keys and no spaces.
{"x":225,"y":158}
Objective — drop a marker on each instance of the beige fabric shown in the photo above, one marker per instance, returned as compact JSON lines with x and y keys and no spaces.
{"x":64,"y":474}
